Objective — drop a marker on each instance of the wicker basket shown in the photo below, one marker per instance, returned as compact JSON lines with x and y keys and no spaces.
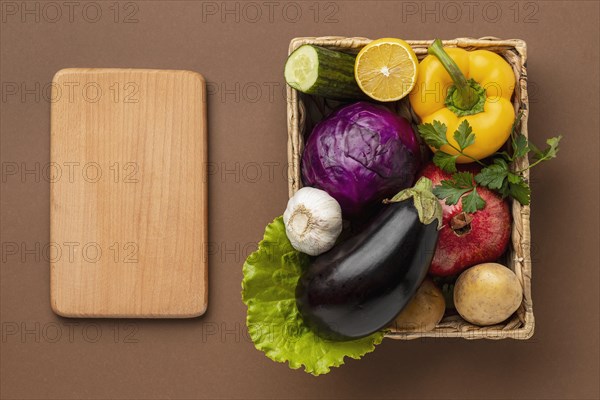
{"x":300,"y":110}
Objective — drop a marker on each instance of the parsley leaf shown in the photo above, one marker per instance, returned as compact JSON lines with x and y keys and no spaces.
{"x":460,"y":186}
{"x":448,"y":190}
{"x":520,"y":146}
{"x":492,"y":176}
{"x":514,"y":178}
{"x":464,"y":135}
{"x":472,"y":202}
{"x":520,"y":192}
{"x":503,"y":154}
{"x":445,"y":161}
{"x":550,"y":151}
{"x":463,"y":179}
{"x":514,"y":135}
{"x":504,"y":190}
{"x":434,"y":134}
{"x":498,"y":176}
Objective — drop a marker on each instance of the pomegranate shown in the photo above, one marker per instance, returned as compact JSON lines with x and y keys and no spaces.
{"x":469,"y":239}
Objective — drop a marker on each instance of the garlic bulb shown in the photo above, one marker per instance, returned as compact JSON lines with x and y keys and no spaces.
{"x":313,"y":221}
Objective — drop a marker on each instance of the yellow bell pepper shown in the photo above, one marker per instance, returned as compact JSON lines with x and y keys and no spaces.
{"x":454,"y":84}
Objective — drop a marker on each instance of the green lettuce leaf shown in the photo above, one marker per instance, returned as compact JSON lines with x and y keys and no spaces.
{"x":274,"y":322}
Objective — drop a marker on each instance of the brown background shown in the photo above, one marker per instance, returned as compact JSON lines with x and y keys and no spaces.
{"x":44,"y":356}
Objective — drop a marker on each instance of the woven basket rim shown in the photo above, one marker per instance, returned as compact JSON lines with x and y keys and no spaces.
{"x":520,"y":260}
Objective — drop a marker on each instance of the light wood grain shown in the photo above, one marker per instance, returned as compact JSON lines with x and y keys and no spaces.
{"x":144,"y":131}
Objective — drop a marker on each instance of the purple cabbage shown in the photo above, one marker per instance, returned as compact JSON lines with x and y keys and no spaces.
{"x":361,"y":154}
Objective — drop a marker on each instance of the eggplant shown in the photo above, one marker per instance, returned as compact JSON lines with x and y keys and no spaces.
{"x":359,"y":286}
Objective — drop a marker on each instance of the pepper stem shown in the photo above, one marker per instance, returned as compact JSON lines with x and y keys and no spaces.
{"x":465,"y":97}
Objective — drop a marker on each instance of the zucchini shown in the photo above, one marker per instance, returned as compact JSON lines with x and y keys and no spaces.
{"x":322,"y":72}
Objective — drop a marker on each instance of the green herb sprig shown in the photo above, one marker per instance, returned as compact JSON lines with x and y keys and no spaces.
{"x":497,"y":175}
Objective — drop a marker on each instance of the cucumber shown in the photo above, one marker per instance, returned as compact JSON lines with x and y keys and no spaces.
{"x":322,"y":72}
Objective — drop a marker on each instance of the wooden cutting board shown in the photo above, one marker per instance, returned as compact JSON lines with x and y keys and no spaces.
{"x":128,"y":196}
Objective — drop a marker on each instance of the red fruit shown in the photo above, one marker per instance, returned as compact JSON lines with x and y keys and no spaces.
{"x":469,"y":239}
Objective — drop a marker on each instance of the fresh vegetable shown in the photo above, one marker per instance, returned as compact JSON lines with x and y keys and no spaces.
{"x":360,"y":285}
{"x":386,"y":69}
{"x":487,"y":294}
{"x":274,"y":323}
{"x":497,"y":176}
{"x":313,"y":221}
{"x":455,"y":85}
{"x":360,"y":154}
{"x":424,"y":311}
{"x":467,"y":238}
{"x":322,"y":72}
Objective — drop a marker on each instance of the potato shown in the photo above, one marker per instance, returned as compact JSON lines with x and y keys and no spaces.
{"x":487,"y":294}
{"x":424,"y":311}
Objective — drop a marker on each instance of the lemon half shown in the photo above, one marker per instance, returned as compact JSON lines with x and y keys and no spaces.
{"x":386,"y":69}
